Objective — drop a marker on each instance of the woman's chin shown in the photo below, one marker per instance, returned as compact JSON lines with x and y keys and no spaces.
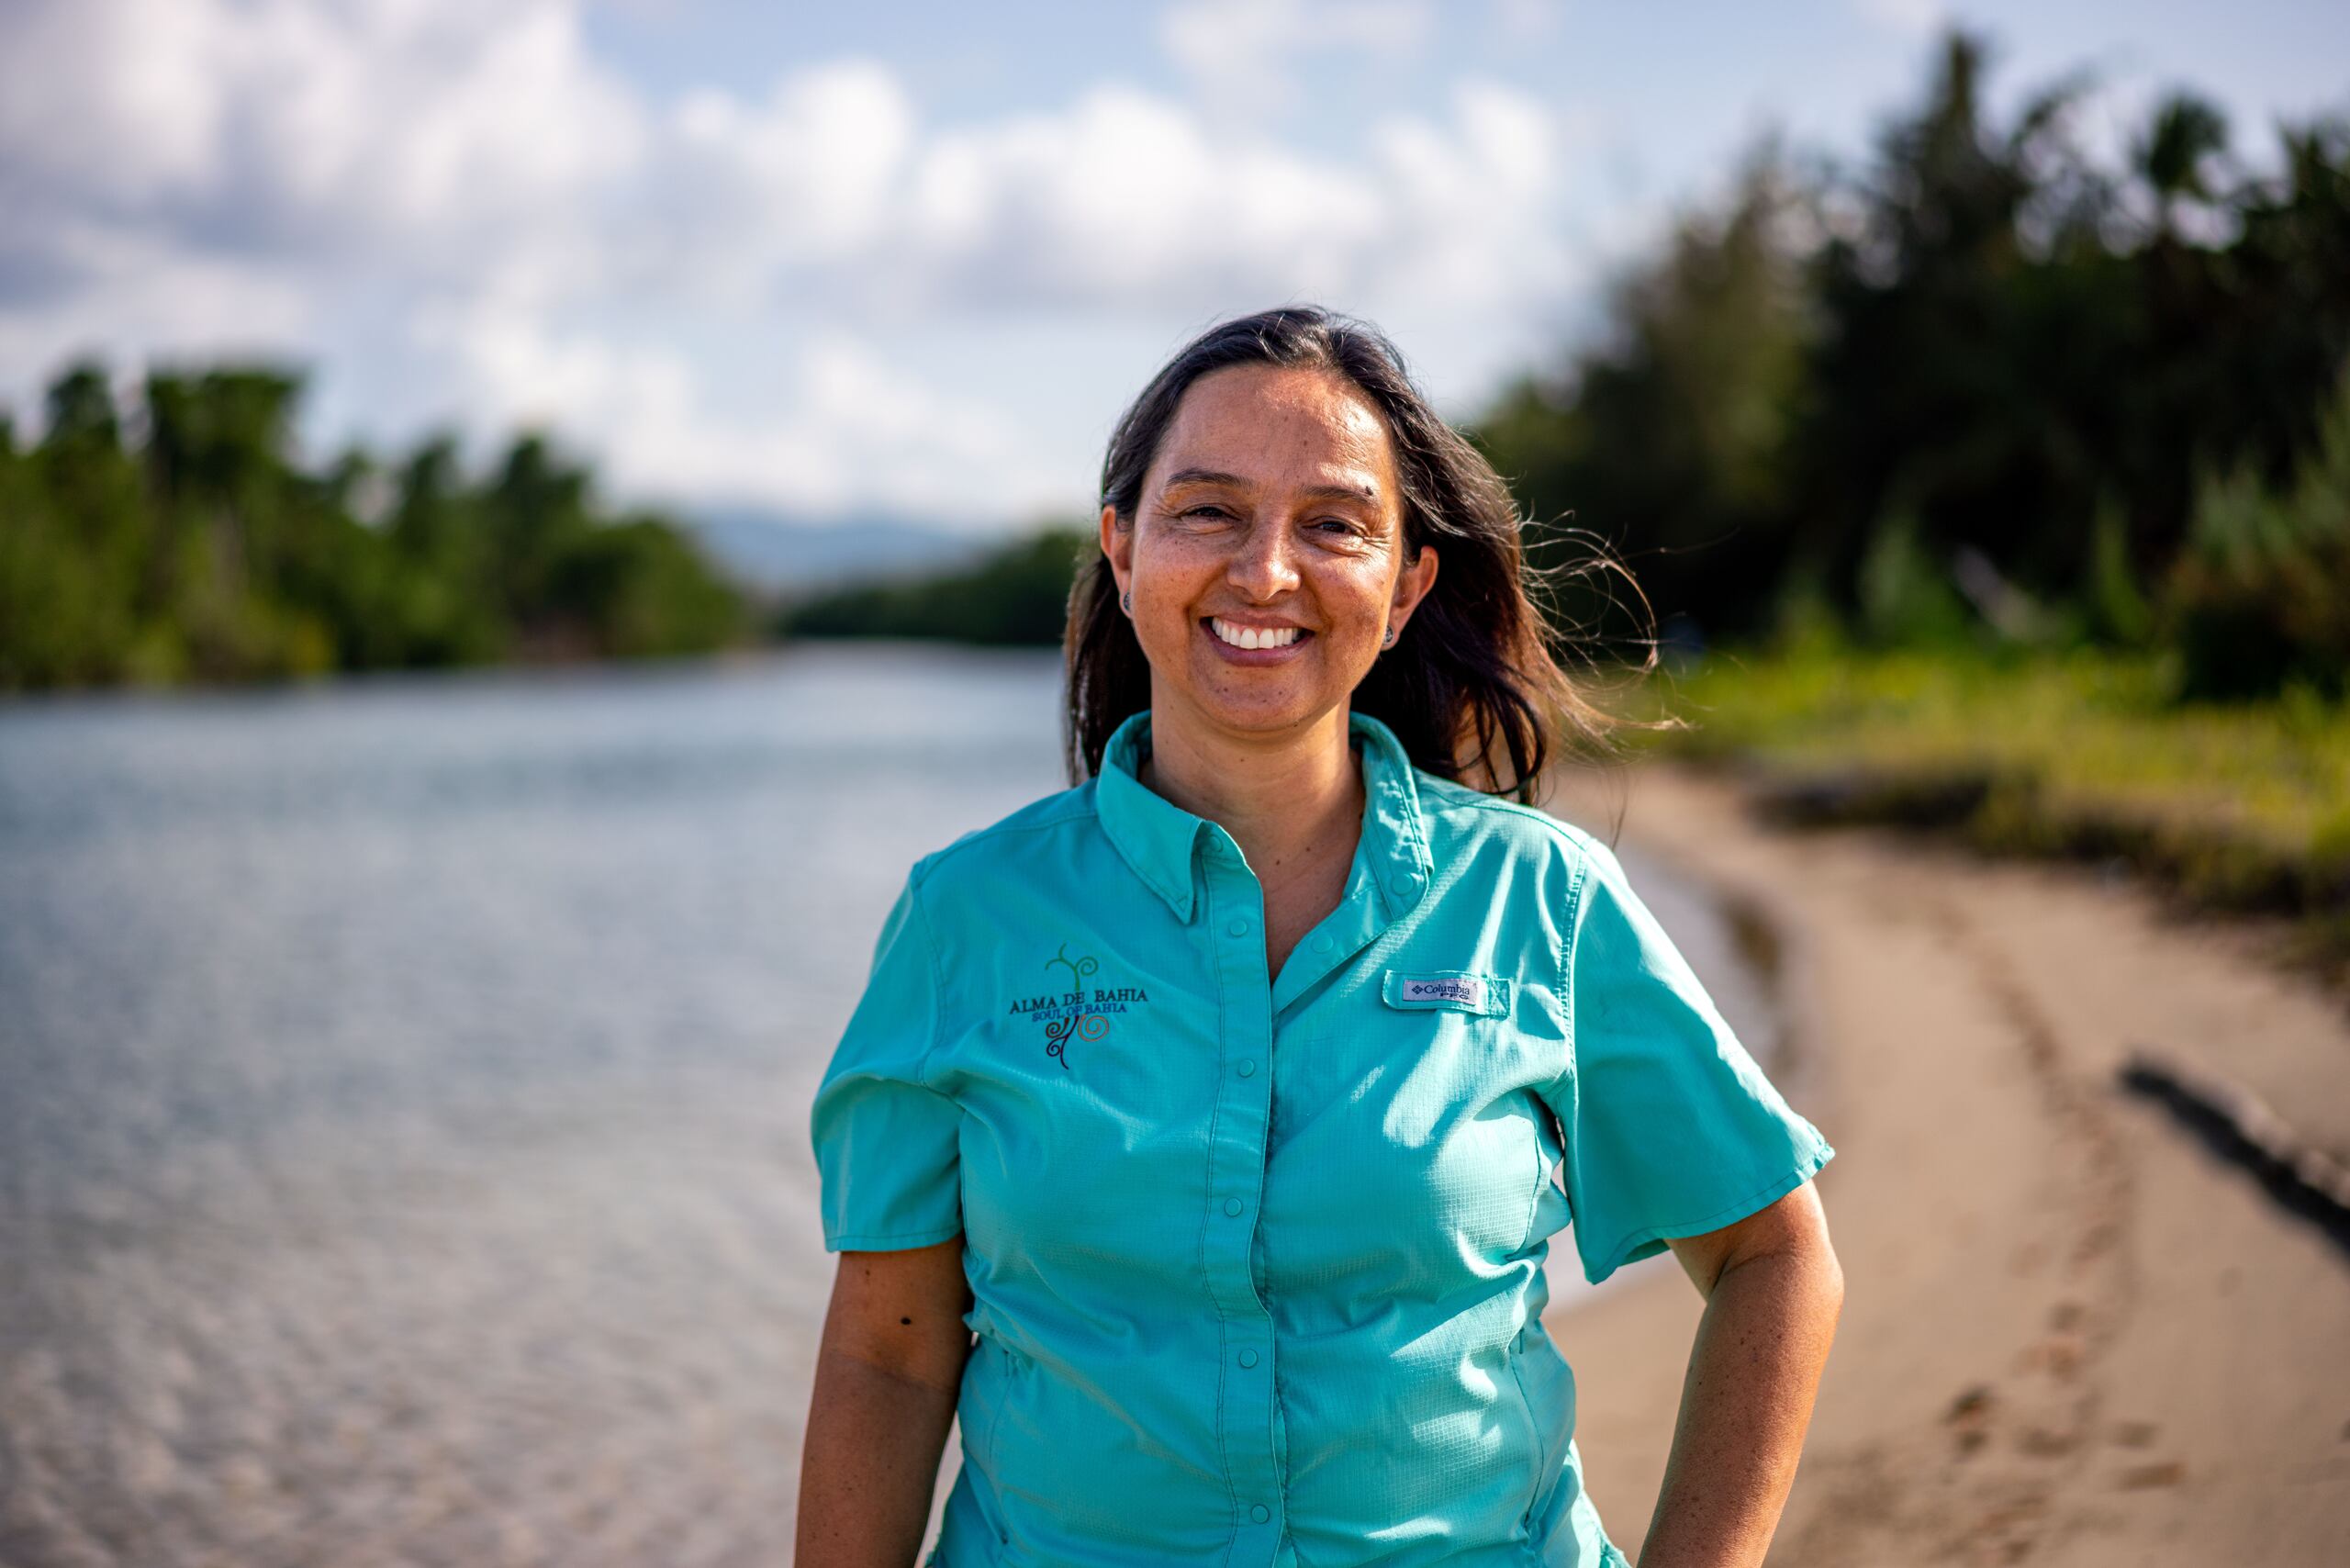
{"x":1261,"y":700}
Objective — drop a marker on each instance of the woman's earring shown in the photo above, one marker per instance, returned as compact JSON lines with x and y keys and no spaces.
{"x":1126,"y":602}
{"x":1390,"y":640}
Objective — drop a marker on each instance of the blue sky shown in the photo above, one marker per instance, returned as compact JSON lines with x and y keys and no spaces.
{"x":915,"y":258}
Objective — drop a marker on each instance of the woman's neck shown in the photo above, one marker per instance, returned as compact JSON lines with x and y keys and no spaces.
{"x":1293,"y":805}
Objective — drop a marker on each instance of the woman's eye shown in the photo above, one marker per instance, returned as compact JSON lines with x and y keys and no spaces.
{"x":1214,"y":513}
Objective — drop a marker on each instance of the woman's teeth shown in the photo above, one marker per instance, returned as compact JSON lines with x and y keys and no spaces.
{"x":1250,"y":637}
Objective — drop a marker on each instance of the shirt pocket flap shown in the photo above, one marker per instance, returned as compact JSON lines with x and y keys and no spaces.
{"x":1459,"y":991}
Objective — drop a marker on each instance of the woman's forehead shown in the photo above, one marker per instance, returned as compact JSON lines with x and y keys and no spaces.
{"x":1250,"y":424}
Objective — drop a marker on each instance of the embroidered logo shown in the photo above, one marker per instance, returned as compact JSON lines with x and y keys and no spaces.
{"x":1079,"y":1012}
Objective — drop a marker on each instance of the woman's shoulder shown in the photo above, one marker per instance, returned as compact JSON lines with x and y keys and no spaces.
{"x":981,"y":851}
{"x":1462,"y":822}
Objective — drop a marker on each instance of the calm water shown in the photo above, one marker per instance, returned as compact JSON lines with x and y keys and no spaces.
{"x":403,"y":1095}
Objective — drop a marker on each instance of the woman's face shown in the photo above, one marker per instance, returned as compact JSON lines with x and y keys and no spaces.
{"x":1271,"y":515}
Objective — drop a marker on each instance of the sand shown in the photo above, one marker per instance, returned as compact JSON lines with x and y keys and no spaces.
{"x":2071,"y":1334}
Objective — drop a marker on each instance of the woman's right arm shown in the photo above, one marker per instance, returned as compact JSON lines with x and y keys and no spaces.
{"x":888,"y":1368}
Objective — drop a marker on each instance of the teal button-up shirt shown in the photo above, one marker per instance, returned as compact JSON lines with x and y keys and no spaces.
{"x":1256,"y":1259}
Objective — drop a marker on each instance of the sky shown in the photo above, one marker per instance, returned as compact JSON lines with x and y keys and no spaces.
{"x":823,"y":261}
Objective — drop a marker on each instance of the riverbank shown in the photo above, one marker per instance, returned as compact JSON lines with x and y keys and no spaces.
{"x":2071,"y":1334}
{"x":2087,"y":756}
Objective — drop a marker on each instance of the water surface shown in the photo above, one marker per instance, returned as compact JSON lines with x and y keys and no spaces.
{"x":404,"y":1087}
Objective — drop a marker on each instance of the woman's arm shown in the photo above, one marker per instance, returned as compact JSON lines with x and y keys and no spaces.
{"x":1773,"y":1291}
{"x":888,"y":1370}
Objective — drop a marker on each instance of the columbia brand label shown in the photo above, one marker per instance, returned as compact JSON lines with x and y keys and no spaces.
{"x":1469,"y":992}
{"x":1456,"y":990}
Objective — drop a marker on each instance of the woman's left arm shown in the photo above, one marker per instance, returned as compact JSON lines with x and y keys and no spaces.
{"x":1773,"y":1291}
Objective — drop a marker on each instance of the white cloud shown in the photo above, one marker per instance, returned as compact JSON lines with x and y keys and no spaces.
{"x":119,"y":99}
{"x":1123,"y":198}
{"x":131,"y":297}
{"x":1129,"y":199}
{"x":839,"y":427}
{"x":535,"y":237}
{"x":326,"y":129}
{"x":440,"y":141}
{"x":810,"y":174}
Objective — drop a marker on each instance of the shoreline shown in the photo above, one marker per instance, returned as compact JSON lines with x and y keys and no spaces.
{"x":2071,"y":1334}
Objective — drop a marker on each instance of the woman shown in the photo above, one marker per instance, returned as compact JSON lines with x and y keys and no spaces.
{"x":1220,"y":1094}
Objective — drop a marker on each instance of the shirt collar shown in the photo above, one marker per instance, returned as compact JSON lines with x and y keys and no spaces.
{"x":1159,"y":837}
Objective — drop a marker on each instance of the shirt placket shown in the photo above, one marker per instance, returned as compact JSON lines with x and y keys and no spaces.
{"x":1245,"y":1410}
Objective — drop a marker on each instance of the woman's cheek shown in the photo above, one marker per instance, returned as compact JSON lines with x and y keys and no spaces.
{"x":1170,"y":580}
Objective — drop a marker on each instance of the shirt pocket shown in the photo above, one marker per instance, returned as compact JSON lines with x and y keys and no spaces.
{"x":1060,"y":1157}
{"x":1471,"y":1016}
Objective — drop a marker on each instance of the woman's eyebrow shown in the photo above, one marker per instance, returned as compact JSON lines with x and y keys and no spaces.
{"x":1367,"y":494}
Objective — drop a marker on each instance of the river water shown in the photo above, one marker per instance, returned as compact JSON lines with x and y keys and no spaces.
{"x":404,"y":1088}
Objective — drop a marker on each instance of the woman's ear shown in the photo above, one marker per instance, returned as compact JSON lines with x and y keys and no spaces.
{"x":1117,"y":546}
{"x":1411,"y":585}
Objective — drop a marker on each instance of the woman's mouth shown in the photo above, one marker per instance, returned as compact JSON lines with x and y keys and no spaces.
{"x":1254,"y":644}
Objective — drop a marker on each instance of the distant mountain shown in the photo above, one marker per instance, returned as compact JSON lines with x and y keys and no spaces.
{"x":777,"y":554}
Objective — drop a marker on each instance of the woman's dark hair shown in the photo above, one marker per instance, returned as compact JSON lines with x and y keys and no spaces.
{"x":1475,"y":686}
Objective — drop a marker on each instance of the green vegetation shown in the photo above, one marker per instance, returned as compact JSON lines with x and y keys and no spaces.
{"x":2013,"y":491}
{"x":200,"y":551}
{"x":2087,"y":753}
{"x":1980,"y":381}
{"x":1017,"y":593}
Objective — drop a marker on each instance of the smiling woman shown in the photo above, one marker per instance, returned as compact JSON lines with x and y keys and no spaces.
{"x":1294,"y":441}
{"x":1287,"y":559}
{"x":1220,"y":1094}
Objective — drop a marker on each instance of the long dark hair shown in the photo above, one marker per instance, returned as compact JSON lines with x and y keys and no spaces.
{"x":1476,"y":685}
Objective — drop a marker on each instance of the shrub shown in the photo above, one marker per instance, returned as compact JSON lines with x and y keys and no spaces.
{"x":2260,"y":598}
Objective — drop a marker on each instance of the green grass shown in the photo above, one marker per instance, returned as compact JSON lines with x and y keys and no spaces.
{"x":2243,"y":806}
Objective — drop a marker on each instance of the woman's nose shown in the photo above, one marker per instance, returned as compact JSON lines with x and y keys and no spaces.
{"x":1264,"y":566}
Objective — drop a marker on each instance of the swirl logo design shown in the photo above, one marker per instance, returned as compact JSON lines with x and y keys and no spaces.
{"x":1078,"y":1011}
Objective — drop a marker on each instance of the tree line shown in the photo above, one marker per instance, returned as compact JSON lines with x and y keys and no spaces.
{"x":178,"y":540}
{"x":1981,"y":388}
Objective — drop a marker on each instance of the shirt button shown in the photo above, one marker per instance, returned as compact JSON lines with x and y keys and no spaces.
{"x":1322,"y":943}
{"x":1247,"y":1069}
{"x":1260,"y":1513}
{"x":1231,"y":1206}
{"x":1405,"y":885}
{"x":1248,"y":1358}
{"x":1238,"y":928}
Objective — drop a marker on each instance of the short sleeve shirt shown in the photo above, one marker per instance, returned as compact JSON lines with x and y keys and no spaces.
{"x":1257,"y":1259}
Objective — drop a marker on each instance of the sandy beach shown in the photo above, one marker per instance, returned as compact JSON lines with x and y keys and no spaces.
{"x":2070,"y":1334}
